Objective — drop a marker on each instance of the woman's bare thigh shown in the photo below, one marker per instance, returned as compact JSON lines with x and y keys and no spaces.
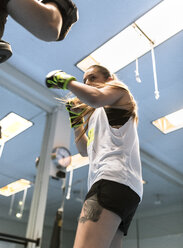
{"x":97,"y":226}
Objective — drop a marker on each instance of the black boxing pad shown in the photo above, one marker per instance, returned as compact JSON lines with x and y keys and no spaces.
{"x":69,"y":14}
{"x":5,"y":51}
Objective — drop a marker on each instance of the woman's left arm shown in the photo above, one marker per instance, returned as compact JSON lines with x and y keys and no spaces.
{"x":95,"y":97}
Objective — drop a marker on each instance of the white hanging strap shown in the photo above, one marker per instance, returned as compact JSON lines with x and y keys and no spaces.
{"x":1,"y":147}
{"x":156,"y":91}
{"x":23,"y":202}
{"x":68,"y":196}
{"x":61,"y":209}
{"x":1,"y":142}
{"x":11,"y":204}
{"x":137,"y":76}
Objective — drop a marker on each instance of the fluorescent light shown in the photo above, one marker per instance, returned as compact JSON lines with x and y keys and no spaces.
{"x":12,"y":125}
{"x":19,"y":215}
{"x":170,"y":123}
{"x":15,"y":187}
{"x":176,"y":118}
{"x":118,"y":52}
{"x":87,"y":62}
{"x":163,"y":21}
{"x":77,"y":161}
{"x":153,"y":28}
{"x":122,"y":49}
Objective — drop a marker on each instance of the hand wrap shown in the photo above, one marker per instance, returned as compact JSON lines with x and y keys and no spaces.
{"x":75,"y":121}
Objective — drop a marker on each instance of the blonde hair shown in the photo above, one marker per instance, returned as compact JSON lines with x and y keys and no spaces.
{"x":88,"y":111}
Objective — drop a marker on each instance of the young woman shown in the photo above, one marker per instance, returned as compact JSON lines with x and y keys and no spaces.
{"x":112,"y":145}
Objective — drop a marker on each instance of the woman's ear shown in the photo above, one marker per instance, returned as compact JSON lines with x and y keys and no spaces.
{"x":110,"y":79}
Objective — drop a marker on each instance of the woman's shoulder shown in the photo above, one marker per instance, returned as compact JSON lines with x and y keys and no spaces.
{"x":125,"y":101}
{"x":117,"y":83}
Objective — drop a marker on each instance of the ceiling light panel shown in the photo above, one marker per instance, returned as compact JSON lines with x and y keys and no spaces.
{"x":12,"y":125}
{"x":153,"y":28}
{"x":163,"y":21}
{"x":170,"y":123}
{"x":122,"y":49}
{"x":15,"y":187}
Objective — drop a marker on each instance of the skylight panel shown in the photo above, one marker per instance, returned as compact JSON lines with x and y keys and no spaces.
{"x":12,"y":125}
{"x":150,"y":30}
{"x":163,"y":21}
{"x":15,"y":187}
{"x":170,"y":123}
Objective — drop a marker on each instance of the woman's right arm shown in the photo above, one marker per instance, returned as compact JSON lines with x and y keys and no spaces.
{"x":82,"y":143}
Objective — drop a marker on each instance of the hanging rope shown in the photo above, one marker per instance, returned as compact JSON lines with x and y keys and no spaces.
{"x":137,"y":76}
{"x":1,"y":147}
{"x":68,"y":196}
{"x":156,"y":91}
{"x":11,"y":204}
{"x":1,"y":142}
{"x":23,"y":202}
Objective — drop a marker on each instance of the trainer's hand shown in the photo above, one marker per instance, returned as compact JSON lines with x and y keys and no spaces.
{"x":58,"y":79}
{"x":75,"y":115}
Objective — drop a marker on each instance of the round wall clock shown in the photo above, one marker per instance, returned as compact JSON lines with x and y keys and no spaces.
{"x":61,"y":157}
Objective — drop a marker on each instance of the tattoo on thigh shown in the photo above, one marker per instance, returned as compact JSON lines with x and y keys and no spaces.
{"x":91,"y":210}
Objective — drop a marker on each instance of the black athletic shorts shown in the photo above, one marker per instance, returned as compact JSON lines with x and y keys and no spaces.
{"x":118,"y":198}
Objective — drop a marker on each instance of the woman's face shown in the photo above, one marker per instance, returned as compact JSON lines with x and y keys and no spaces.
{"x":93,"y":77}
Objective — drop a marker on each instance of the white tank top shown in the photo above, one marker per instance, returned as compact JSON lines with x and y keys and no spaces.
{"x":114,"y":153}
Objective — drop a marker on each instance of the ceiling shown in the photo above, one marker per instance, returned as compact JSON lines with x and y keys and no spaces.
{"x":22,"y":91}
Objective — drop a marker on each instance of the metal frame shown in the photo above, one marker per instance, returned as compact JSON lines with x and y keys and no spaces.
{"x":18,"y":240}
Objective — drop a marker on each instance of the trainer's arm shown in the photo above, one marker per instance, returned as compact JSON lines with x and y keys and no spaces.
{"x":95,"y":97}
{"x":42,"y":20}
{"x":82,"y":143}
